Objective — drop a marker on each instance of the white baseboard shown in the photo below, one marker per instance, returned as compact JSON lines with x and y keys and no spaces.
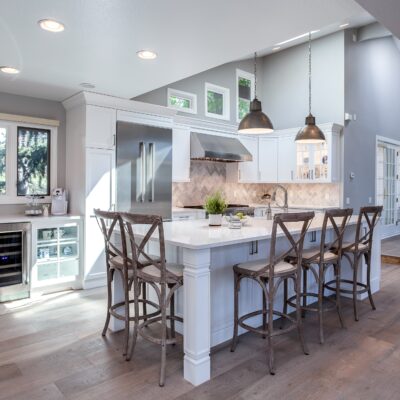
{"x":92,"y":281}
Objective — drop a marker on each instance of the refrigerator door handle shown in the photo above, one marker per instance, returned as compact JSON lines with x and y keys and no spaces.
{"x":152,"y":149}
{"x":142,"y":155}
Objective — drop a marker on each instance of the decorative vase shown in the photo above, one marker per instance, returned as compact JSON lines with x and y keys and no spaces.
{"x":215,"y":219}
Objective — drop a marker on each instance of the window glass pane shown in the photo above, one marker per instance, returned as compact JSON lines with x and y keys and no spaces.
{"x":244,"y":88}
{"x":215,"y":102}
{"x":3,"y":137}
{"x":244,"y":107}
{"x":179,"y":102}
{"x":33,"y":161}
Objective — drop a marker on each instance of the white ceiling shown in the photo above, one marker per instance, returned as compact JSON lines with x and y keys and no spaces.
{"x":101,"y":38}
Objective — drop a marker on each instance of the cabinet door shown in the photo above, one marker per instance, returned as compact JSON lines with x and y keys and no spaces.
{"x":100,"y":166}
{"x":100,"y":127}
{"x":286,"y":159}
{"x":248,"y":170}
{"x":181,"y":155}
{"x":268,"y":159}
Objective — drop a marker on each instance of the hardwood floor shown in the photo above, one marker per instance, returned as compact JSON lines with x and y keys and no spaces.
{"x":53,"y":350}
{"x":391,"y":250}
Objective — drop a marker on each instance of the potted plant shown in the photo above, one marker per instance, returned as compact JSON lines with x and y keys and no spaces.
{"x":215,"y":205}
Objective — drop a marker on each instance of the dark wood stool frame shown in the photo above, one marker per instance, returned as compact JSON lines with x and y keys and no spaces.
{"x":269,"y":281}
{"x":354,"y":252}
{"x":319,"y":263}
{"x":108,"y":222}
{"x":160,"y":283}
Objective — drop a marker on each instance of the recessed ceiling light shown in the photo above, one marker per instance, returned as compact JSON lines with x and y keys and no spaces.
{"x":344,"y":25}
{"x":276,"y":48}
{"x":147,"y":54}
{"x":51,"y":25}
{"x":87,"y":85}
{"x":296,"y":37}
{"x":9,"y":70}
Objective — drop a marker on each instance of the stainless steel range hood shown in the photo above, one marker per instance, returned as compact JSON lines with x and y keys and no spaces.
{"x":217,"y":148}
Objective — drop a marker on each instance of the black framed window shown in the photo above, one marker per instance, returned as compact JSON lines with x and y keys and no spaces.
{"x":33,"y":161}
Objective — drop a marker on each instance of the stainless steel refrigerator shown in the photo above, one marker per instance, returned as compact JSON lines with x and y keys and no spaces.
{"x":144,"y":169}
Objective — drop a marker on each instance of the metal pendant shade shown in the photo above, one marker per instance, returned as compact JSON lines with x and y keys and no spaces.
{"x":255,"y":122}
{"x":310,"y":133}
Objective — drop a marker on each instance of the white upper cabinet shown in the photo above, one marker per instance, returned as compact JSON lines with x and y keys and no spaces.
{"x":268,"y":159}
{"x":248,"y":170}
{"x":100,"y":127}
{"x":286,"y":158}
{"x":181,"y":154}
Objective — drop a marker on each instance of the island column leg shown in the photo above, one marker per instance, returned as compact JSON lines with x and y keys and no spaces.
{"x":197,"y":315}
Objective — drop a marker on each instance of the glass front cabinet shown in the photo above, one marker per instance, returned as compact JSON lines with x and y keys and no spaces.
{"x":56,"y":254}
{"x":319,"y":162}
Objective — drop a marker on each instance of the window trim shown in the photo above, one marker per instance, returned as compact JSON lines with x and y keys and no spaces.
{"x":186,"y":95}
{"x":225,"y":101}
{"x":11,"y":161}
{"x":247,"y":75}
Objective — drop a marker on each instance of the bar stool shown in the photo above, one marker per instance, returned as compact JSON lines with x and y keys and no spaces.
{"x":117,"y":260}
{"x":318,"y":260}
{"x":159,"y":275}
{"x":354,"y":251}
{"x":269,"y":274}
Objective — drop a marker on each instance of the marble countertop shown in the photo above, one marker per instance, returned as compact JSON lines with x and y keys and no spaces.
{"x":10,"y":219}
{"x":196,"y":234}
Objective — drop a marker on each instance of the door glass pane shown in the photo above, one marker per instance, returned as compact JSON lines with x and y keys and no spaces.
{"x":47,"y":271}
{"x":69,"y":268}
{"x":33,"y":161}
{"x":68,"y":233}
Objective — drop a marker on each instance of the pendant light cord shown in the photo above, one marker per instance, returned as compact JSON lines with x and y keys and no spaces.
{"x":309,"y":72}
{"x":255,"y":75}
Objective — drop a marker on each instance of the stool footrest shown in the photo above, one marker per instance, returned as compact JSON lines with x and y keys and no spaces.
{"x":364,"y":287}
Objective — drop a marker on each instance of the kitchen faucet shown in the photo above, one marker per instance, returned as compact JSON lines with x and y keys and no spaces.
{"x":285,"y":207}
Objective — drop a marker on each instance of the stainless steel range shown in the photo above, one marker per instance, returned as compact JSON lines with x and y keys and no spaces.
{"x":231,"y":209}
{"x":14,"y":261}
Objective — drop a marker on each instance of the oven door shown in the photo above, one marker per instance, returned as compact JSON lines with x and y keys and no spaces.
{"x":14,"y":261}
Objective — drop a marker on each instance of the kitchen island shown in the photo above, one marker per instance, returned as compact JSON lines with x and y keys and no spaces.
{"x":206,"y":299}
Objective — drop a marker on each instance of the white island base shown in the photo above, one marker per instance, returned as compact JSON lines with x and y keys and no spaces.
{"x":206,"y":299}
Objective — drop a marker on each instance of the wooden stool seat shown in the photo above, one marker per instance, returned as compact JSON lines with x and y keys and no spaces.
{"x":280,"y":269}
{"x":351,"y":247}
{"x":174,"y":273}
{"x":315,"y":255}
{"x":118,"y":261}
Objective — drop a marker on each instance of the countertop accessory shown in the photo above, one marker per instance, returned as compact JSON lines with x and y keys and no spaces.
{"x":255,"y":122}
{"x":234,"y":222}
{"x":310,"y":133}
{"x":34,"y":208}
{"x":59,"y":203}
{"x":215,"y":206}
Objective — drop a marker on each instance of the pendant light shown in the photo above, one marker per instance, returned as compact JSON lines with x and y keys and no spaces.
{"x":255,"y":122}
{"x":310,"y":133}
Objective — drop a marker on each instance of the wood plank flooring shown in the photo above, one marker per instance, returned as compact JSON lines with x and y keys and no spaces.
{"x":391,"y":250}
{"x":53,"y":350}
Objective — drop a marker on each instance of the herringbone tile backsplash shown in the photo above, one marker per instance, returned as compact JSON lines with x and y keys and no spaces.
{"x":208,"y":177}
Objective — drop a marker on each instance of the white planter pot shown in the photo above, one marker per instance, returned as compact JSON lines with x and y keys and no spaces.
{"x":215,"y":219}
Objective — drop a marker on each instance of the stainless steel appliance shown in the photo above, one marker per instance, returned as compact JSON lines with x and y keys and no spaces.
{"x":144,"y":169}
{"x":14,"y":261}
{"x":231,"y":209}
{"x":217,"y":148}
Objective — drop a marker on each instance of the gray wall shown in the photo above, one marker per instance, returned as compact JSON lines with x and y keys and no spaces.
{"x":372,"y":92}
{"x":33,"y":107}
{"x":285,"y":83}
{"x":224,"y":75}
{"x":282,"y":83}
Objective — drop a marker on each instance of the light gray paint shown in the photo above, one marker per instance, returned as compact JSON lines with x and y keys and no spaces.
{"x":372,"y":31}
{"x":22,"y":105}
{"x":372,"y":92}
{"x":285,"y":83}
{"x":282,"y":84}
{"x":224,"y":75}
{"x":387,"y":12}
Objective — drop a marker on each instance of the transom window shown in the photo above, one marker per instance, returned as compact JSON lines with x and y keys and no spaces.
{"x":182,"y":101}
{"x":28,"y":161}
{"x":216,"y":101}
{"x":244,"y":92}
